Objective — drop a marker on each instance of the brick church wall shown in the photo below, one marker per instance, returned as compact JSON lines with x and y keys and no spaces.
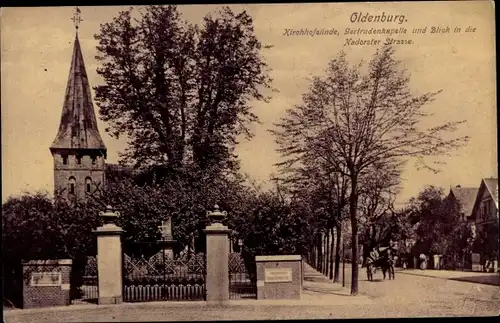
{"x":80,"y":172}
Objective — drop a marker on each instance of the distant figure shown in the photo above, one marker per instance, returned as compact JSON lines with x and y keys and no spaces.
{"x":423,"y":261}
{"x":488,"y":266}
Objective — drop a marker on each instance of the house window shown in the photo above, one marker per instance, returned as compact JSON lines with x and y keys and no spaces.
{"x":485,"y":209}
{"x":72,"y":184}
{"x":78,"y":160}
{"x":88,"y":182}
{"x":65,"y":159}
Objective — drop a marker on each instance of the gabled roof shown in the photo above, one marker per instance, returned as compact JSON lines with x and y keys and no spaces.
{"x":490,"y":184}
{"x":78,"y":126}
{"x":466,"y":196}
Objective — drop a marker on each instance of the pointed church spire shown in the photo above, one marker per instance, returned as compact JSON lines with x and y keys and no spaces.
{"x":78,"y":126}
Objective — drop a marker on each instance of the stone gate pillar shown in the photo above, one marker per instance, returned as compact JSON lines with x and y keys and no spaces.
{"x":109,"y":259}
{"x":217,"y":280}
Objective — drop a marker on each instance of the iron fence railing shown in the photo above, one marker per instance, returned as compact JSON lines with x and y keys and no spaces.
{"x":241,"y":284}
{"x":162,"y":277}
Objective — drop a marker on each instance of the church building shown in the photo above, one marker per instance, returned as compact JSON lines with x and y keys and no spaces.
{"x":78,"y":150}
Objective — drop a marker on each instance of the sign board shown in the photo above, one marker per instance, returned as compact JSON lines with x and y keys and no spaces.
{"x":277,"y":275}
{"x":46,"y":279}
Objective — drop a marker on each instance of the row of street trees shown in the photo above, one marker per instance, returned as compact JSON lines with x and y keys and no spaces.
{"x":182,"y":95}
{"x":363,"y":125}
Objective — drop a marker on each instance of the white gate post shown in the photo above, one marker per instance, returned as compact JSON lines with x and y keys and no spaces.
{"x":109,"y":259}
{"x":217,"y":281}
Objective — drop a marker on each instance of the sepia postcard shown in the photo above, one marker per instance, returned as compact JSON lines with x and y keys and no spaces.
{"x":249,"y":162}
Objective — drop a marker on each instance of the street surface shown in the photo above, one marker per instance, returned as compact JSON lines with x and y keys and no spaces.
{"x":409,"y":295}
{"x":444,"y":290}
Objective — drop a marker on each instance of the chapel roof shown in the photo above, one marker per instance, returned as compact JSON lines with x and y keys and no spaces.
{"x":78,"y":127}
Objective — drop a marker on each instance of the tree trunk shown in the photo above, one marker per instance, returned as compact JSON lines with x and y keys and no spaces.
{"x":353,"y":199}
{"x":331,"y":254}
{"x":323,"y":250}
{"x":327,"y":251}
{"x":320,"y":256}
{"x":336,"y":277}
{"x":314,"y":255}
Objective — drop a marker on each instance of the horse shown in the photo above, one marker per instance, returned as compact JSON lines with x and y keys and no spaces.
{"x":380,"y":258}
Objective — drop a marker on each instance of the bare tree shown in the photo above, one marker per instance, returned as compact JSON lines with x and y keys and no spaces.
{"x":377,"y":193}
{"x":354,"y":121}
{"x":325,"y":192}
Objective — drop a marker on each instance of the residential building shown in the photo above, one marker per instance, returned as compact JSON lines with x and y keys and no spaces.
{"x":485,"y":218}
{"x":485,"y":209}
{"x":466,"y":196}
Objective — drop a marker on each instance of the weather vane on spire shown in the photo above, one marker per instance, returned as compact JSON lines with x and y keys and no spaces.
{"x":76,"y":18}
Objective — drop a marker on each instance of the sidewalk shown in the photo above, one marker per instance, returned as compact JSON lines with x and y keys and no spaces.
{"x":321,"y":299}
{"x":465,"y":276}
{"x":319,"y":290}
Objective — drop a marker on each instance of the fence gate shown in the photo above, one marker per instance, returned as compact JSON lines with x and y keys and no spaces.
{"x":241,"y":284}
{"x":160,"y":277}
{"x":88,"y":290}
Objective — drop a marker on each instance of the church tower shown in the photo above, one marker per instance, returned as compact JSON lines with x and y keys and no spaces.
{"x":78,"y":150}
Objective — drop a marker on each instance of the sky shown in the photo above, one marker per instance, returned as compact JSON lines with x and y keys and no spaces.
{"x":37,"y":43}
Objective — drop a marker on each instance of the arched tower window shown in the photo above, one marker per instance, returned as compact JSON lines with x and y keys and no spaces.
{"x":88,"y":183}
{"x":72,"y":185}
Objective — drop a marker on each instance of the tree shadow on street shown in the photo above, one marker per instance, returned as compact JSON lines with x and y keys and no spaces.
{"x":378,"y":280}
